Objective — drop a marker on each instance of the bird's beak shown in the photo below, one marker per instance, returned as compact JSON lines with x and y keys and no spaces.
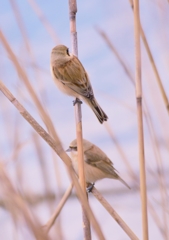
{"x":68,"y":150}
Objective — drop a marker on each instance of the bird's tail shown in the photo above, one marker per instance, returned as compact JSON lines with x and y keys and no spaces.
{"x":100,"y":114}
{"x":121,"y":180}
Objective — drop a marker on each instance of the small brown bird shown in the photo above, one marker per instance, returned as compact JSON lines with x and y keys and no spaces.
{"x":97,"y":165}
{"x":71,"y":78}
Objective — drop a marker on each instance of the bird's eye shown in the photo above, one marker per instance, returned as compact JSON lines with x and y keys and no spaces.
{"x":68,"y":52}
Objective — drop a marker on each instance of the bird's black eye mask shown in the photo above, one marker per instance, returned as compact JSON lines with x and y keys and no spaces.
{"x":68,"y":52}
{"x":74,"y":148}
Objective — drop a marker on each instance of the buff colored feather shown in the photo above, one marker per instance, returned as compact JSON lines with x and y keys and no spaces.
{"x":97,"y":164}
{"x":71,"y":78}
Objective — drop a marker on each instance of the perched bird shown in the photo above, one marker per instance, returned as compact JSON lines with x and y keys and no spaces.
{"x":71,"y":78}
{"x":97,"y":165}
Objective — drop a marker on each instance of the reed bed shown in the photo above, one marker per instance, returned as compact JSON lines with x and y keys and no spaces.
{"x":41,"y":196}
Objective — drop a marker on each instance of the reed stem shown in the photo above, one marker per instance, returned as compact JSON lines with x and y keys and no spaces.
{"x":114,"y":214}
{"x":57,"y":147}
{"x":143,"y":187}
{"x":78,"y":117}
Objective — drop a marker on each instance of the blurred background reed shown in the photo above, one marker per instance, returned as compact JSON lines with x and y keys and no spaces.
{"x":33,"y":179}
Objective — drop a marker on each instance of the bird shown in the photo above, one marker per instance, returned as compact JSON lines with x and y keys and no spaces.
{"x":71,"y":78}
{"x":97,"y":165}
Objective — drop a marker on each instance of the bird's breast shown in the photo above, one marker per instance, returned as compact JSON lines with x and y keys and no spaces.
{"x":92,"y":174}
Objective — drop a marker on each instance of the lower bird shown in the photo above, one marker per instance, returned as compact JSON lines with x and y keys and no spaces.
{"x":71,"y":78}
{"x":97,"y":165}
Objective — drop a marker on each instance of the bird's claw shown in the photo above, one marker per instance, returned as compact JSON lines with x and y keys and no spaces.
{"x":90,"y":187}
{"x":77,"y":100}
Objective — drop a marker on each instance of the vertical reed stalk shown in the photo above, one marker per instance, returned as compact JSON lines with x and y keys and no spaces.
{"x":152,"y":133}
{"x":161,"y":87}
{"x":78,"y":117}
{"x":158,"y":78}
{"x":140,"y":120}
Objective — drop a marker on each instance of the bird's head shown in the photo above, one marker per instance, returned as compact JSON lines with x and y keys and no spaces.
{"x":60,"y":53}
{"x":73,"y":145}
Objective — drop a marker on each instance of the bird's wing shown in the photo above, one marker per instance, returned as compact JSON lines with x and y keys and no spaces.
{"x":73,"y":75}
{"x":97,"y":158}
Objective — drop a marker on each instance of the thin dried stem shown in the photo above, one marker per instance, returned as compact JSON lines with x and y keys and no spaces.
{"x":34,"y":199}
{"x":57,"y":147}
{"x":159,"y":81}
{"x":113,"y":213}
{"x":153,"y":137}
{"x":164,"y":96}
{"x":20,"y":24}
{"x":58,"y":175}
{"x":162,"y":90}
{"x":113,"y":49}
{"x":160,"y":173}
{"x":45,"y":178}
{"x":56,"y":213}
{"x":156,"y":218}
{"x":25,"y":79}
{"x":135,"y":178}
{"x":17,"y":207}
{"x":121,"y":152}
{"x":41,"y":159}
{"x":78,"y":117}
{"x":140,"y":120}
{"x":44,"y":20}
{"x":24,"y":34}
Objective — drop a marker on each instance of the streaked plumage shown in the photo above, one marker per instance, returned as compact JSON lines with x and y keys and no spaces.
{"x":97,"y":164}
{"x":72,"y":79}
